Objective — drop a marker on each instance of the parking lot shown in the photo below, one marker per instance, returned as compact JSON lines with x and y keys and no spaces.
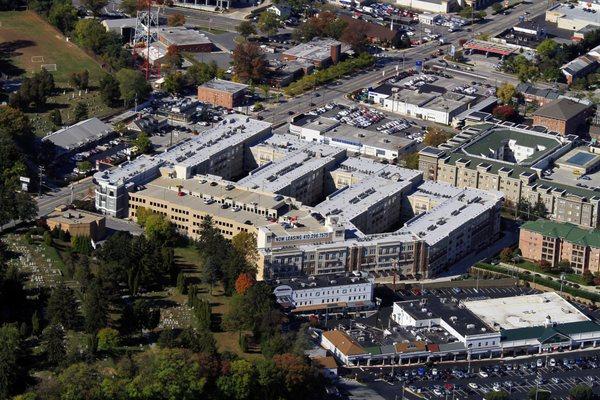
{"x":556,"y":373}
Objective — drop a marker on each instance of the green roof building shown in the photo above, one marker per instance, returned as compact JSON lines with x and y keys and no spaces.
{"x":555,"y":242}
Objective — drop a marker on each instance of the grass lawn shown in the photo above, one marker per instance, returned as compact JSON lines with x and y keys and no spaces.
{"x":536,"y":268}
{"x":27,"y":42}
{"x":187,"y":258}
{"x":31,"y":42}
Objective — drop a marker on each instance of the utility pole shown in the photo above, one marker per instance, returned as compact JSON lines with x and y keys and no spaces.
{"x":41,"y":180}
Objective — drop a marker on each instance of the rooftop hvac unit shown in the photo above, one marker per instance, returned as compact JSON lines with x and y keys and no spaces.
{"x":470,"y":326}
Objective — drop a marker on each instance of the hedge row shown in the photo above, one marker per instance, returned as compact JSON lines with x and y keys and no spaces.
{"x":584,"y":294}
{"x":332,"y":73}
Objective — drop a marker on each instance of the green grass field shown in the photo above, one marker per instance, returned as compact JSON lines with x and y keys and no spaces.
{"x":31,"y":42}
{"x":27,"y":42}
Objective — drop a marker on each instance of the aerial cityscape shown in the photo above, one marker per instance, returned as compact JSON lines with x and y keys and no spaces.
{"x":299,"y":199}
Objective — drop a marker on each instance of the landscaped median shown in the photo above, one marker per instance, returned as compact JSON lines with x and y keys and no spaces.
{"x":330,"y":74}
{"x":542,"y":281}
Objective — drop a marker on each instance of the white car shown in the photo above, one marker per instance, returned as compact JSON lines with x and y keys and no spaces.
{"x":552,"y":362}
{"x":473,"y":385}
{"x":437,"y":392}
{"x":539,"y":363}
{"x":483,"y":374}
{"x":496,"y":387}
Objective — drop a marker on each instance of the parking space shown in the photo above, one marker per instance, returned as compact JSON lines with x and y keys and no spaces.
{"x":556,"y":373}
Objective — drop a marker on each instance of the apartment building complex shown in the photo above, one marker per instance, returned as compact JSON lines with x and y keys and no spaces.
{"x":558,"y":242}
{"x":515,"y":162}
{"x":218,"y":151}
{"x":313,"y":209}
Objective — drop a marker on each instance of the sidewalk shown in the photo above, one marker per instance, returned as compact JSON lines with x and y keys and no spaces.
{"x":591,"y":289}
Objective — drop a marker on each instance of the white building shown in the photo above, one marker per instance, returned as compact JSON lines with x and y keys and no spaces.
{"x":429,"y":18}
{"x":432,"y":6}
{"x":316,"y":293}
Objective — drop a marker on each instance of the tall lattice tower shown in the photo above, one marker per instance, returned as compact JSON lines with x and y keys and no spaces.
{"x":146,"y":28}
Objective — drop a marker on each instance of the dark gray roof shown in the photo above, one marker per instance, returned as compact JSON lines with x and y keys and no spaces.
{"x":79,"y":135}
{"x":562,"y":109}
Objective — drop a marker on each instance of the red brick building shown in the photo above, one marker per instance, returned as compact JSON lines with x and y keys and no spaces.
{"x":219,"y":92}
{"x":563,"y":115}
{"x":185,"y":39}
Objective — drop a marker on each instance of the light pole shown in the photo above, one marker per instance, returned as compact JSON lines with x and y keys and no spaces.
{"x":562,"y":279}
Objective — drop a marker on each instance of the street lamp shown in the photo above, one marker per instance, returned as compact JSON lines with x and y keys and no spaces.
{"x":562,"y":279}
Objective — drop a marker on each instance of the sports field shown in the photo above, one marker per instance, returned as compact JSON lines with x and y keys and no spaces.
{"x":30,"y":43}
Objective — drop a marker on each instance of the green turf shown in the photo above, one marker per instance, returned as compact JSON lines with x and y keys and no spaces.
{"x":27,"y":35}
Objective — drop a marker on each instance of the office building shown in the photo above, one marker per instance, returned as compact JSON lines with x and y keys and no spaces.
{"x":318,"y":52}
{"x":427,"y":102}
{"x":77,"y":222}
{"x":318,"y":129}
{"x":331,"y":294}
{"x":184,"y":39}
{"x":219,"y":92}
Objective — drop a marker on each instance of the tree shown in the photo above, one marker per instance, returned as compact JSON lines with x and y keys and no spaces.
{"x":95,"y":6}
{"x":506,"y":92}
{"x":239,"y":383}
{"x":55,"y":118}
{"x":506,"y":255}
{"x":145,"y":317}
{"x":244,"y":282}
{"x":53,"y":339}
{"x":143,"y":143}
{"x":355,"y":35}
{"x":129,"y":6}
{"x":249,"y":62}
{"x":108,"y":339}
{"x":245,"y":243}
{"x":202,"y":314}
{"x":539,"y":394}
{"x":581,"y":392}
{"x":200,"y":73}
{"x":80,"y":80}
{"x":90,"y":34}
{"x":547,"y":48}
{"x":501,"y":395}
{"x":63,"y":16}
{"x":435,"y":137}
{"x":173,"y":59}
{"x":176,"y":19}
{"x":411,"y":160}
{"x":504,"y":112}
{"x":109,"y":90}
{"x":268,"y":23}
{"x":246,"y":29}
{"x":81,"y":245}
{"x":14,"y":124}
{"x":85,"y":166}
{"x":95,"y":309}
{"x":132,"y":85}
{"x":81,"y":112}
{"x":62,"y":307}
{"x":210,"y":272}
{"x":174,"y":83}
{"x":158,"y":228}
{"x":497,"y":7}
{"x":11,"y":361}
{"x":80,"y":381}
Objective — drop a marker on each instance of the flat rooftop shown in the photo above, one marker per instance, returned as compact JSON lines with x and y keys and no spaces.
{"x":277,"y":175}
{"x":368,"y":167}
{"x":525,"y":311}
{"x":579,"y":157}
{"x":487,"y":144}
{"x":352,"y":201}
{"x":234,"y":129}
{"x":181,"y":36}
{"x":69,"y":217}
{"x":452,"y":214}
{"x":575,"y":13}
{"x":316,"y":50}
{"x":225,"y":86}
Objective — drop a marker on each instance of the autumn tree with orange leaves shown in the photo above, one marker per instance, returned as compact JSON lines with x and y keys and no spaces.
{"x":244,"y":282}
